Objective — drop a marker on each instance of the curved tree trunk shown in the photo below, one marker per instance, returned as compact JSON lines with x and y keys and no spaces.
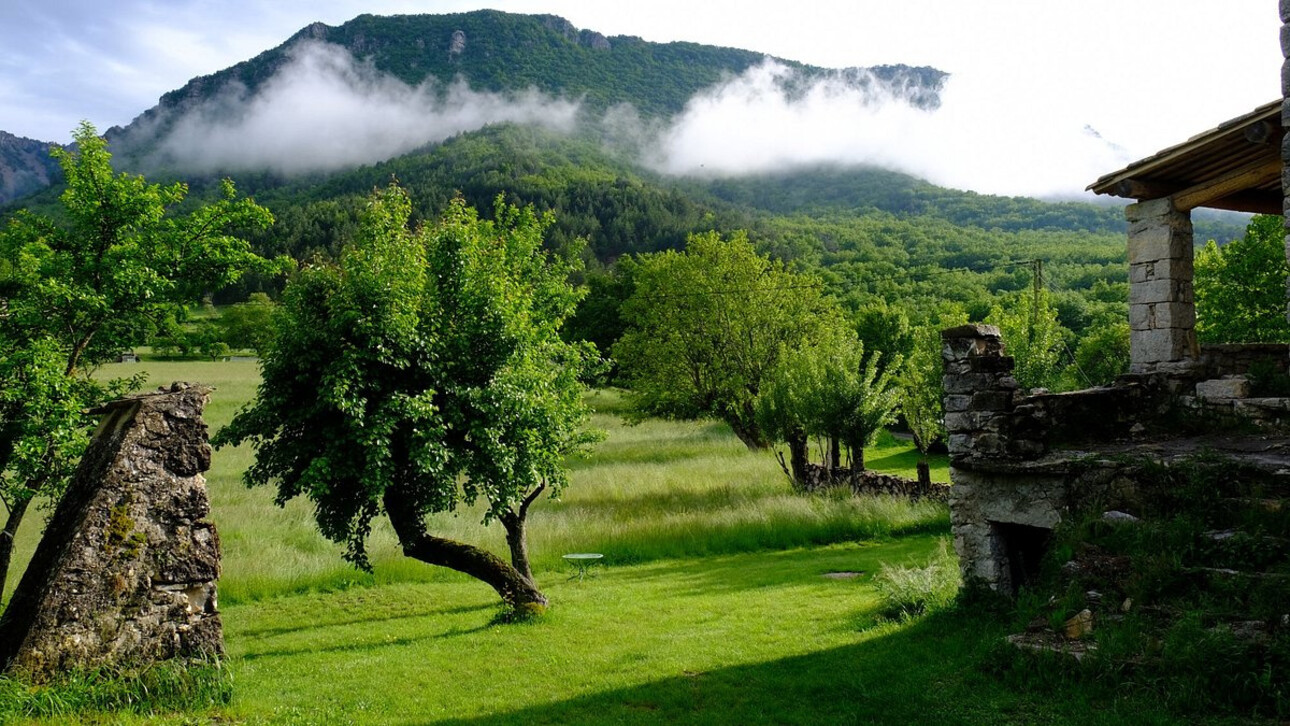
{"x":516,"y":590}
{"x":516,"y":536}
{"x":749,"y":434}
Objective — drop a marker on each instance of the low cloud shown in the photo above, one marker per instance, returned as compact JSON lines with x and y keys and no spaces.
{"x":324,"y":111}
{"x":977,"y":139}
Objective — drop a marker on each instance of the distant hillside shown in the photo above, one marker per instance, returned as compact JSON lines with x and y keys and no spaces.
{"x":504,"y":52}
{"x":25,"y":166}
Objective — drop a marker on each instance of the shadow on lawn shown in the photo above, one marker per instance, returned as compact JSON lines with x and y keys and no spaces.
{"x":926,"y":673}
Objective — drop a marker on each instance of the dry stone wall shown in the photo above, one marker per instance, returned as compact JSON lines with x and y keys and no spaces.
{"x":126,"y":572}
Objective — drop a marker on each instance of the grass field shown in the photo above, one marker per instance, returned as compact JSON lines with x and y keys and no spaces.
{"x":712,"y":607}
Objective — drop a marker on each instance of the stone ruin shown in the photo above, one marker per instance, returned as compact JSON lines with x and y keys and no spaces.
{"x":126,"y":572}
{"x":1020,"y":463}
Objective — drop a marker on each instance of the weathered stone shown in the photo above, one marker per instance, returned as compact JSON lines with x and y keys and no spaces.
{"x":971,"y":331}
{"x":1165,"y":344}
{"x":1155,"y":291}
{"x":1172,"y":268}
{"x":1173,"y":315}
{"x":126,"y":571}
{"x":1149,"y":209}
{"x":998,"y":400}
{"x":1285,"y":46}
{"x":1140,"y":317}
{"x":1285,"y":13}
{"x":1223,"y":388}
{"x":959,"y":402}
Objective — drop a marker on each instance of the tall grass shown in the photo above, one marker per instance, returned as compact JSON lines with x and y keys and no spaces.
{"x":652,"y":491}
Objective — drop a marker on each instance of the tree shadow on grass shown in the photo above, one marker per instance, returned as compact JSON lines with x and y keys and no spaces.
{"x":925,"y":673}
{"x":781,"y":568}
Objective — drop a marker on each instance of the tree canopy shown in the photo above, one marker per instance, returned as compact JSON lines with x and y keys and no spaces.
{"x":422,"y":372}
{"x":1241,"y":286}
{"x":707,"y":325}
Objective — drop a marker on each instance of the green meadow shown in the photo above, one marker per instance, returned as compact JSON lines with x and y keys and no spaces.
{"x":718,"y":602}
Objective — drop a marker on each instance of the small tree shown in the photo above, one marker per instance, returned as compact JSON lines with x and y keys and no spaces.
{"x":423,"y":372}
{"x":830,"y":390}
{"x":1241,"y":286}
{"x":921,"y":379}
{"x":1032,"y":336}
{"x":78,"y":288}
{"x":246,"y":326}
{"x":705,"y":326}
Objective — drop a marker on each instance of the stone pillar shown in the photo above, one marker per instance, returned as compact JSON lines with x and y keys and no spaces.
{"x":979,"y":390}
{"x":125,"y":573}
{"x":1285,"y":123}
{"x":1162,"y":305}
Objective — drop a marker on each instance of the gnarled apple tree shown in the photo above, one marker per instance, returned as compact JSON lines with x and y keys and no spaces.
{"x":424,"y":372}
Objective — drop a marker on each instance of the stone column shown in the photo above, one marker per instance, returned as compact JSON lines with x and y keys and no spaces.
{"x":979,"y":389}
{"x":1162,"y":305}
{"x":1285,"y":122}
{"x":126,"y":572}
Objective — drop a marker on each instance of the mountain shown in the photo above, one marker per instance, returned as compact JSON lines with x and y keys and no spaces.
{"x":25,"y":166}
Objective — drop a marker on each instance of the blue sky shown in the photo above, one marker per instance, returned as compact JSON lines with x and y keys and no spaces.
{"x":1144,"y":73}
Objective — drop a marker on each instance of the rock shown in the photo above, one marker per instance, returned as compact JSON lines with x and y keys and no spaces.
{"x":1117,"y":517}
{"x":1079,"y":626}
{"x":1223,"y":388}
{"x":126,"y":572}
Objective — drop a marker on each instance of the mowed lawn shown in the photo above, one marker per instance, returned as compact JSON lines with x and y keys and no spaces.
{"x":714,"y":605}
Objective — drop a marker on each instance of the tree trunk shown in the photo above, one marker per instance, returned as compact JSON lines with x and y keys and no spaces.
{"x":16,"y":513}
{"x":835,"y":453}
{"x":798,"y":458}
{"x":517,"y":541}
{"x":516,"y":590}
{"x":516,"y":536}
{"x":749,"y":434}
{"x":857,"y":454}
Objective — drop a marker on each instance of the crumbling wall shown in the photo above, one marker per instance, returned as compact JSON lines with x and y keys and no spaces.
{"x":126,"y":572}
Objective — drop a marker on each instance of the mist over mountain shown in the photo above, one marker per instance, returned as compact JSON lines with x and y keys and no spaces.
{"x":25,"y":166}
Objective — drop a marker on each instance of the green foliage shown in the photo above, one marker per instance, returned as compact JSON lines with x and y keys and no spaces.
{"x":706,"y":326}
{"x":1101,"y":356}
{"x":246,"y":326}
{"x":1241,"y":286}
{"x":913,"y":591}
{"x":829,"y":388}
{"x":425,"y":362}
{"x":921,"y":379}
{"x":1033,"y":337}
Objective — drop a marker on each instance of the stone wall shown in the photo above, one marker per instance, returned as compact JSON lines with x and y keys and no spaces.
{"x":1285,"y":123}
{"x":126,"y":572}
{"x":821,"y":478}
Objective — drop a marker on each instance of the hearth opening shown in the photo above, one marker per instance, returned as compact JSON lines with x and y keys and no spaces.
{"x":1023,"y":549}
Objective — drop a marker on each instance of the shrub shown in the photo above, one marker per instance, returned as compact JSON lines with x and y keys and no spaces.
{"x":909,"y":592}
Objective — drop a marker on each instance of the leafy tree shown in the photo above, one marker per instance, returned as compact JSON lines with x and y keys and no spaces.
{"x":705,"y":327}
{"x":921,"y":379}
{"x":422,"y":372}
{"x":78,"y":288}
{"x":829,"y":389}
{"x":1032,"y":336}
{"x":1241,"y":286}
{"x":1102,"y":355}
{"x":246,"y":325}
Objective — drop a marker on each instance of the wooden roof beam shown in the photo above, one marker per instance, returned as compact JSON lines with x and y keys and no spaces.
{"x":1242,"y":178}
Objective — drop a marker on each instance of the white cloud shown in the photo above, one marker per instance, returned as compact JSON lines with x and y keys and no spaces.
{"x":323,"y":111}
{"x":977,"y":140}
